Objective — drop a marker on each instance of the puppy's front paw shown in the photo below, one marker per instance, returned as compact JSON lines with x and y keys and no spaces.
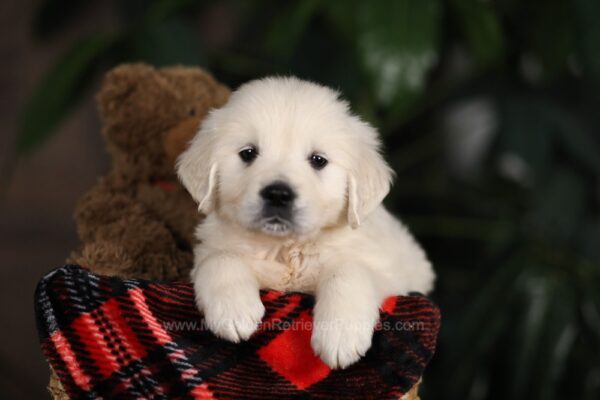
{"x":340,"y":342}
{"x":234,"y":316}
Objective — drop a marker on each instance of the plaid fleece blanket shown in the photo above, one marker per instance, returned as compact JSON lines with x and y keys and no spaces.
{"x":120,"y":338}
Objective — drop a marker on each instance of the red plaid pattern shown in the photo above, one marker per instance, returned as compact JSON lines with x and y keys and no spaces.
{"x":120,"y":338}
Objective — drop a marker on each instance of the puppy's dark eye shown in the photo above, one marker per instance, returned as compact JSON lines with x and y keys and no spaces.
{"x":317,"y":161}
{"x":248,"y":154}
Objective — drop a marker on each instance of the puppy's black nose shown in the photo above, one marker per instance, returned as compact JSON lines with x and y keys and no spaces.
{"x":278,"y":194}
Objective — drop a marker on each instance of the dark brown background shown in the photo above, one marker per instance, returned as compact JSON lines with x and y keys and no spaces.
{"x":36,"y":225}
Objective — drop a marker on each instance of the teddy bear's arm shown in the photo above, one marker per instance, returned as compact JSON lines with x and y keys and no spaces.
{"x":123,"y":237}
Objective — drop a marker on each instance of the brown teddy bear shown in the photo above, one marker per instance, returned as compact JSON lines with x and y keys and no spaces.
{"x":138,"y":221}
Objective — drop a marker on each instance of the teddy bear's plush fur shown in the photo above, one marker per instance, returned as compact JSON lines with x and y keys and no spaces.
{"x":138,"y":220}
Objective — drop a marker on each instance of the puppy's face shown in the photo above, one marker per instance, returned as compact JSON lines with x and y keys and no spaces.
{"x":285,"y":157}
{"x":279,"y":180}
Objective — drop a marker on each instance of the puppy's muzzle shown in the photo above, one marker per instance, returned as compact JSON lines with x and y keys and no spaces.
{"x":278,"y":198}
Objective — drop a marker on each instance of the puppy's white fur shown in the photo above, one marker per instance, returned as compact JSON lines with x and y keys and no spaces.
{"x":342,"y":246}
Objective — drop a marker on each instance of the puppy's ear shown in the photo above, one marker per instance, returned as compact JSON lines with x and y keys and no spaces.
{"x":197,"y":170}
{"x":369,"y":177}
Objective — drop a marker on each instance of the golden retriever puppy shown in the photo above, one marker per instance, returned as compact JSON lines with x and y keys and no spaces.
{"x":291,"y":183}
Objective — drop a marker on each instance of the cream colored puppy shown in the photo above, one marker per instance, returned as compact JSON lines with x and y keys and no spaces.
{"x":292,"y":183}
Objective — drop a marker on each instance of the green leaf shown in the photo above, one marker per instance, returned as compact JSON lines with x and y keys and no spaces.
{"x":533,"y":127}
{"x":544,"y":337}
{"x":527,"y":133}
{"x":589,"y":239}
{"x":174,"y":41}
{"x":552,"y":37}
{"x":161,"y":10}
{"x":591,"y":384}
{"x":470,"y":344}
{"x":588,"y":35}
{"x":342,"y":16}
{"x":397,"y":43}
{"x":481,"y":28}
{"x":558,"y":339}
{"x":58,"y":90}
{"x":529,"y":329}
{"x":286,"y":30}
{"x":559,"y":206}
{"x":491,"y":298}
{"x":577,"y":141}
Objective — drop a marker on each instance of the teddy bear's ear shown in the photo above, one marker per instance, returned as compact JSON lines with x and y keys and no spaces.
{"x":134,"y":102}
{"x":177,"y":139}
{"x":222,"y":94}
{"x":197,"y":167}
{"x":119,"y":84}
{"x":201,"y":91}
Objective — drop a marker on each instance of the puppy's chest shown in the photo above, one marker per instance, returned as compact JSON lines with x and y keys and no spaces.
{"x":289,"y":268}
